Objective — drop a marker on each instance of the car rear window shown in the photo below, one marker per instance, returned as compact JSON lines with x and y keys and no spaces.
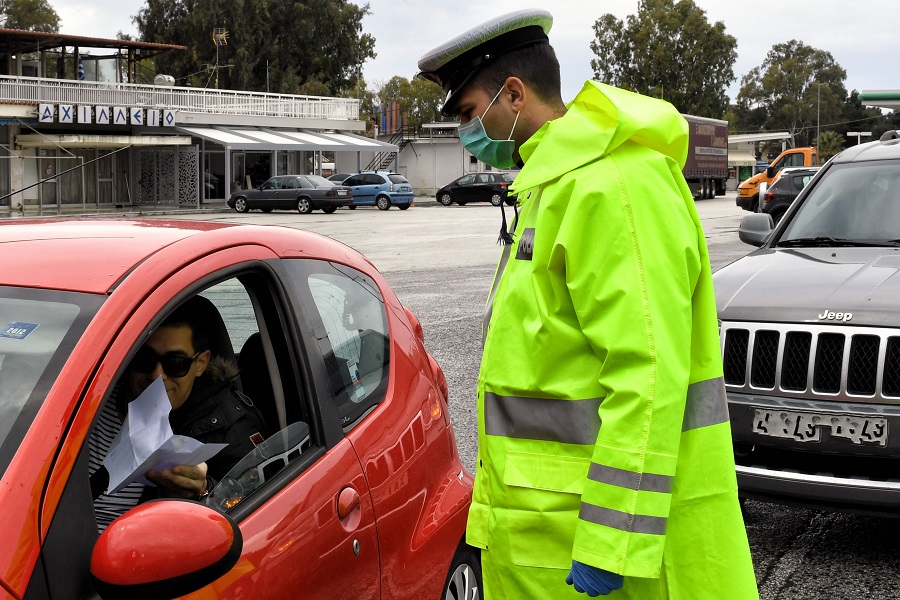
{"x":38,"y":330}
{"x":397,"y":179}
{"x":507,"y":177}
{"x":319,"y":181}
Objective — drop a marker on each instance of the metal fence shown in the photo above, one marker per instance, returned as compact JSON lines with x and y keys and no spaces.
{"x":225,"y":102}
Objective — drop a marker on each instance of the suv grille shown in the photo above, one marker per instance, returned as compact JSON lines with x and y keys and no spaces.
{"x":812,"y":360}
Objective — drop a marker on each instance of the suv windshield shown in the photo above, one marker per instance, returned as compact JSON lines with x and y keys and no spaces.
{"x":38,"y":330}
{"x":851,"y":204}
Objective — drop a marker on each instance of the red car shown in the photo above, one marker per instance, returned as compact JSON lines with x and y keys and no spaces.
{"x":359,"y":494}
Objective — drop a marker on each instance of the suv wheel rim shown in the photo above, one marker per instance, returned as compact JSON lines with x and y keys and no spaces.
{"x":462,"y":584}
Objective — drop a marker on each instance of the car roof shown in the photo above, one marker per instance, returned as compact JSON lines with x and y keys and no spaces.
{"x":886,"y":148}
{"x":94,"y":255}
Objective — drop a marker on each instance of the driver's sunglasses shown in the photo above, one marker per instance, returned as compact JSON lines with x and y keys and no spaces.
{"x":173,"y":363}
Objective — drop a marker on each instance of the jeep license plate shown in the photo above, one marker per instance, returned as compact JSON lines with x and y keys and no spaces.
{"x":807,"y":427}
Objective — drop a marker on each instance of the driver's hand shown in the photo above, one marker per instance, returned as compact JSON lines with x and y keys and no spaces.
{"x":183,"y":481}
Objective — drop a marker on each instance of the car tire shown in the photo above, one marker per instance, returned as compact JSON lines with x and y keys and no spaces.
{"x":240,"y":205}
{"x":496,"y":199}
{"x":383,"y":202}
{"x":777,"y":215}
{"x":266,"y":210}
{"x":404,"y":206}
{"x":446,"y":199}
{"x":329,"y":209}
{"x":510,"y":200}
{"x":352,"y":207}
{"x":464,"y":580}
{"x":304,"y":206}
{"x":754,"y":203}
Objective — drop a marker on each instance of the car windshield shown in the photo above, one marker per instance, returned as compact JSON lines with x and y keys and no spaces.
{"x":38,"y":330}
{"x":319,"y":181}
{"x":853,"y":204}
{"x":397,"y":179}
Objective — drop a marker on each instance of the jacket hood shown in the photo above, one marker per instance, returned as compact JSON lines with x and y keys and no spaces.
{"x":600,"y":119}
{"x":221,"y":369}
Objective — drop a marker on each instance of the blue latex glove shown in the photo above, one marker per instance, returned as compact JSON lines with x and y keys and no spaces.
{"x":593,"y":581}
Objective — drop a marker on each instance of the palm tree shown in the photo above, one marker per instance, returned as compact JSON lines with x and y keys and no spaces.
{"x":829,"y":143}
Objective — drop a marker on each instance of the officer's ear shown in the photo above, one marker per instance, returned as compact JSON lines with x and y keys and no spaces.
{"x":518,"y":93}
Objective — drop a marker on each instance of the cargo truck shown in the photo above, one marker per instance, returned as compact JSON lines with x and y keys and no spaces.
{"x":706,"y":169}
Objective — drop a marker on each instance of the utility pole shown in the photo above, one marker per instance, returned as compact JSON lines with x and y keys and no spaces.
{"x":818,"y":112}
{"x":220,"y":38}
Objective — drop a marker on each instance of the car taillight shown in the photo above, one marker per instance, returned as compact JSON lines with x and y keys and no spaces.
{"x":330,"y":194}
{"x":769,"y":197}
{"x":392,"y":188}
{"x":503,"y":184}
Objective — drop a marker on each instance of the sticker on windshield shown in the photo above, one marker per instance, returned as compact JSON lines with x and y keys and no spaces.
{"x":18,"y":330}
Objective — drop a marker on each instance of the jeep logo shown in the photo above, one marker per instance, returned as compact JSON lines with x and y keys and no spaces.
{"x":832,"y":316}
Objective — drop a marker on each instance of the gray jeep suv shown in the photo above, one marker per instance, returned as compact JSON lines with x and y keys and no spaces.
{"x":810,"y":329}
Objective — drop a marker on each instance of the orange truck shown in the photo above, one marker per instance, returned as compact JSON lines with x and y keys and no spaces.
{"x":748,"y":191}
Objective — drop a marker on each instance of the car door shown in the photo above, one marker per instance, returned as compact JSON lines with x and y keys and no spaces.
{"x":289,"y":192}
{"x":307,"y":521}
{"x":356,"y":183}
{"x":267,"y":196}
{"x":464,"y":191}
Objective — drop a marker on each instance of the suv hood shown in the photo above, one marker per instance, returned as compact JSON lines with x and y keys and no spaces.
{"x":804,"y":285}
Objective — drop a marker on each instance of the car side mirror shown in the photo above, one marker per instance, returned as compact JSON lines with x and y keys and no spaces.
{"x":756,"y":228}
{"x":164,"y":549}
{"x":770,"y":172}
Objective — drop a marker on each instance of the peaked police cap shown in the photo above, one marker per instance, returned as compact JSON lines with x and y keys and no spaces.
{"x":452,"y":64}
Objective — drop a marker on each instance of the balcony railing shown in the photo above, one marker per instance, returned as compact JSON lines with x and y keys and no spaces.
{"x":184,"y":99}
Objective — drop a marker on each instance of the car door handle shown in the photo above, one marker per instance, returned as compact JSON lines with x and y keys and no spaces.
{"x":349,"y":506}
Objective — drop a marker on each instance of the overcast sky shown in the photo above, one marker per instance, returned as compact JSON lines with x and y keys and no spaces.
{"x":861,"y":36}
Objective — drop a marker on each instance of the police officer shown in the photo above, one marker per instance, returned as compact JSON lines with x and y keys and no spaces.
{"x":604,"y":450}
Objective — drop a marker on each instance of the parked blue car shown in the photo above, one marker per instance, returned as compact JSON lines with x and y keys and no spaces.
{"x":381,"y":189}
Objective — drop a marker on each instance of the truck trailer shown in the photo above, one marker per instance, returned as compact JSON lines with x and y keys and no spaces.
{"x":706,"y":169}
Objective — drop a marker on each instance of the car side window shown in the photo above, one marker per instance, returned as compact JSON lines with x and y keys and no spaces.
{"x":467,"y":180}
{"x":484,"y":178}
{"x":356,"y":345}
{"x":290,"y":183}
{"x":373,"y":179}
{"x":355,"y":180}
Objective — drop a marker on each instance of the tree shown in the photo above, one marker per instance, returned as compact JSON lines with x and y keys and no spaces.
{"x":30,"y":15}
{"x":828,"y":144}
{"x":798,"y":87}
{"x":314,"y":47}
{"x":421,"y":100}
{"x":668,"y":50}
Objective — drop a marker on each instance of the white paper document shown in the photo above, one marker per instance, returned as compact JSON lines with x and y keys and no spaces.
{"x":146,"y":442}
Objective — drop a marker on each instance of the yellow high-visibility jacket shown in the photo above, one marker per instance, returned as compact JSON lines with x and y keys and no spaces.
{"x":603,"y":426}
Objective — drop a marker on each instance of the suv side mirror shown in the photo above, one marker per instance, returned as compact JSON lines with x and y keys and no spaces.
{"x":756,"y":228}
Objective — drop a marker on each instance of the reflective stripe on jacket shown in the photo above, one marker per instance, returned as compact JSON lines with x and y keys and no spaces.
{"x":603,"y":424}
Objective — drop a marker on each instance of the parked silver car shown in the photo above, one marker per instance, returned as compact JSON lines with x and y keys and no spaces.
{"x":810,"y":327}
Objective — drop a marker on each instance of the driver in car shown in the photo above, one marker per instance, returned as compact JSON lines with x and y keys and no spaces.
{"x":207,"y":405}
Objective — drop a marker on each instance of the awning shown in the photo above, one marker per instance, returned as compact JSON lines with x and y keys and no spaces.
{"x":31,"y":140}
{"x":740,"y":159}
{"x":267,"y":139}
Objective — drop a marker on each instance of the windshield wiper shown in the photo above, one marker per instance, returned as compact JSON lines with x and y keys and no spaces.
{"x":826,"y":242}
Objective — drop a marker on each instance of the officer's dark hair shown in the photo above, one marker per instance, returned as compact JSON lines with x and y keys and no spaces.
{"x":535,"y":65}
{"x":193,"y":314}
